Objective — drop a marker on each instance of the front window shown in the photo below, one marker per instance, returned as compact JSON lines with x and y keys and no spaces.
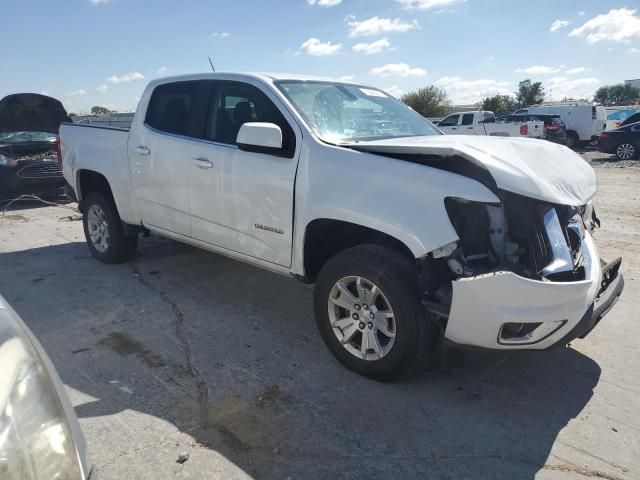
{"x":450,"y":121}
{"x":340,"y":113}
{"x":26,"y":137}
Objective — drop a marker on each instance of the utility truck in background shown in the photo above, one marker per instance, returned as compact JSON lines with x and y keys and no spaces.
{"x":484,"y":123}
{"x":585,"y":123}
{"x":410,"y":236}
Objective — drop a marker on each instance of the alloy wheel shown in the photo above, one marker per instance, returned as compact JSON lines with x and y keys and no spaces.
{"x":98,"y":228}
{"x":625,"y":151}
{"x":362,"y":318}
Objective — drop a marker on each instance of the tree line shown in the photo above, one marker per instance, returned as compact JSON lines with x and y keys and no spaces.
{"x":434,"y":102}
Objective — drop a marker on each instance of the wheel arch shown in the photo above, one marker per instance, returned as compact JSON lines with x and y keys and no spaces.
{"x":88,"y":181}
{"x":325,"y":237}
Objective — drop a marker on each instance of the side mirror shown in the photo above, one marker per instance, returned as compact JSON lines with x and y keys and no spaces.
{"x":260,"y":137}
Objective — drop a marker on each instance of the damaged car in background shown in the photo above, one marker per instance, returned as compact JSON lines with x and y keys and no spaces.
{"x":29,"y":126}
{"x":409,"y":235}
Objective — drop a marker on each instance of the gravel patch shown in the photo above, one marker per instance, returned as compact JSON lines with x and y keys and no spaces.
{"x":605,"y":160}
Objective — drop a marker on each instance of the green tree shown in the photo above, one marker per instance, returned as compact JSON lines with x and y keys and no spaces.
{"x":99,"y":110}
{"x":499,"y":104}
{"x":617,"y":95}
{"x":530,"y":93}
{"x":429,"y":101}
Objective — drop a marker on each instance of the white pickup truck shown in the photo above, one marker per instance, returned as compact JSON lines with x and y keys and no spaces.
{"x":484,"y":123}
{"x":410,"y":236}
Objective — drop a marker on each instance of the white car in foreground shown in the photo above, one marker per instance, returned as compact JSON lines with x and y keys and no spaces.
{"x":409,"y":235}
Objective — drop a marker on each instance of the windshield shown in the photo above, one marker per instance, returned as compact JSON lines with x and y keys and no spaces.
{"x":25,"y":137}
{"x":340,"y":113}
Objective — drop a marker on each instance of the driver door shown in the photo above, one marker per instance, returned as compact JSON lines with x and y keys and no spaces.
{"x":243,"y":201}
{"x":450,"y":125}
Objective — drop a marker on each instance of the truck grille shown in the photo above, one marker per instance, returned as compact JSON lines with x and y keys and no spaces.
{"x":41,"y":170}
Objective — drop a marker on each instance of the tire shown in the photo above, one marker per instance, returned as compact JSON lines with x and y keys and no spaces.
{"x":109,"y":245}
{"x":573,"y":141}
{"x":396,"y":282}
{"x":626,"y":151}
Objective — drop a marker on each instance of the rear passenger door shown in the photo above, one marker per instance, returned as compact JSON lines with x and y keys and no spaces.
{"x":243,"y":201}
{"x":466,"y":124}
{"x":161,"y":153}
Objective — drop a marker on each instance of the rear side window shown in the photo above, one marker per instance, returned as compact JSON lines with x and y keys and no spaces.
{"x":171,"y":106}
{"x":237,"y":103}
{"x":467,"y":119}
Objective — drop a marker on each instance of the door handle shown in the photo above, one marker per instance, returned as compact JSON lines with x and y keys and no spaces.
{"x":142,"y":150}
{"x":202,"y":162}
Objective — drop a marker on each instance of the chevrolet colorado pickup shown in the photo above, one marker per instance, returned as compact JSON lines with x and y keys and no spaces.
{"x":409,"y":236}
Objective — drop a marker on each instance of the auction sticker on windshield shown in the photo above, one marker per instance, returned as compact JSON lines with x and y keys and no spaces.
{"x":372,"y":93}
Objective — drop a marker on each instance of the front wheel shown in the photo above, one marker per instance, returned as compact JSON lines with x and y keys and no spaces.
{"x":368,"y":309}
{"x":104,"y":232}
{"x":626,"y":151}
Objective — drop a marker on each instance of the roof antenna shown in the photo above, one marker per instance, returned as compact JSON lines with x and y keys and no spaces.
{"x":211,"y":63}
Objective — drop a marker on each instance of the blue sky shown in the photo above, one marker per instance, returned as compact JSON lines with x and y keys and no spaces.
{"x":103,"y":52}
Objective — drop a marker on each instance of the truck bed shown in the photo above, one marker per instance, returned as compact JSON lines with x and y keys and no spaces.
{"x":102,"y":150}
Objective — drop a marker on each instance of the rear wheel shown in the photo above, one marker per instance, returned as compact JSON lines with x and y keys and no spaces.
{"x":368,"y":309}
{"x":104,"y":232}
{"x":626,"y":151}
{"x":573,"y":141}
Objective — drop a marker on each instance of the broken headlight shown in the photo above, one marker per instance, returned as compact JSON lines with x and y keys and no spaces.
{"x":39,"y":433}
{"x":6,"y":161}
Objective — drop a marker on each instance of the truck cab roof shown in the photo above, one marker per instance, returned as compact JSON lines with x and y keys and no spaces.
{"x":267,"y":77}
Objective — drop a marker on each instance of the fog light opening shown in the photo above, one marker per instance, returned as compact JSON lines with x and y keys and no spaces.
{"x":527,"y":333}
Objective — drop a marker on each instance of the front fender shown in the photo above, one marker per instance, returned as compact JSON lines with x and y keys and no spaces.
{"x":401,"y":199}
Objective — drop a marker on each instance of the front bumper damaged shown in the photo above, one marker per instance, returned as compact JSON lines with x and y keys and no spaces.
{"x":502,"y":310}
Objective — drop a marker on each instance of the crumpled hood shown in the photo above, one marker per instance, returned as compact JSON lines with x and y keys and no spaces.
{"x":30,"y":112}
{"x":530,"y":167}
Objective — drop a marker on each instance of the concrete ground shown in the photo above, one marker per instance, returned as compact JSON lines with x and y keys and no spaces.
{"x":184,"y":364}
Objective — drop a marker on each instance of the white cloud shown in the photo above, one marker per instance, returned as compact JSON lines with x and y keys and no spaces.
{"x":346,"y":78}
{"x":99,"y":2}
{"x":126,"y":78}
{"x":574,"y":71}
{"x":373,"y":47}
{"x":463,"y":91}
{"x":398,"y":70}
{"x":45,"y":92}
{"x":633,"y":50}
{"x":563,"y":87}
{"x":377,"y":25}
{"x":104,"y":88}
{"x":620,"y":26}
{"x":394,"y":91}
{"x":324,"y":3}
{"x":315,"y":47}
{"x":581,"y":13}
{"x":490,"y":58}
{"x":537,"y":70}
{"x":558,"y":24}
{"x":427,"y":4}
{"x":162,"y":71}
{"x":76,"y":93}
{"x":220,"y":35}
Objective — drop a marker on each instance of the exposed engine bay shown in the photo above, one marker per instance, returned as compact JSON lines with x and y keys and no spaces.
{"x":528,"y":237}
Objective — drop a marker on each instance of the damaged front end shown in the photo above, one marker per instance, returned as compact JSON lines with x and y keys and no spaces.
{"x":524,"y":273}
